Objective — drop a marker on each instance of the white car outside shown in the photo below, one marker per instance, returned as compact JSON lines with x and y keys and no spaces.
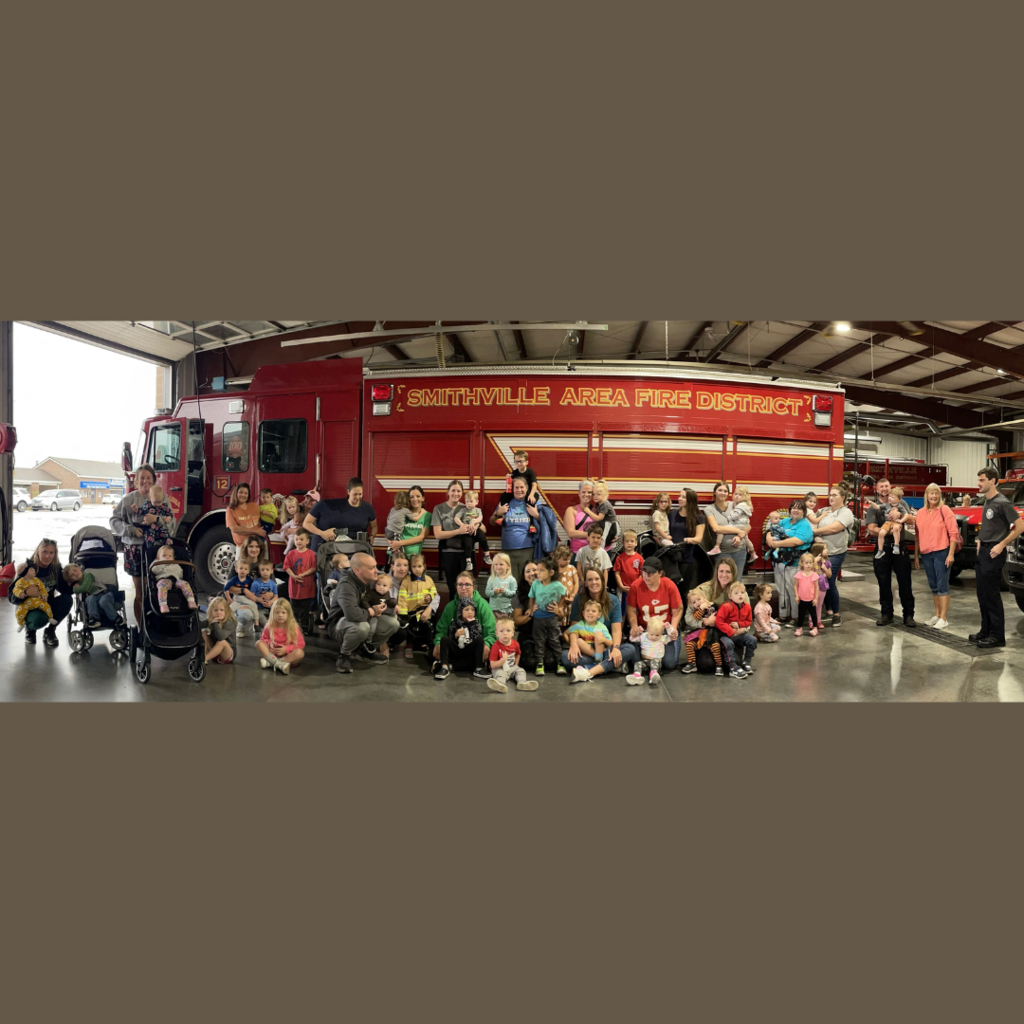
{"x":21,"y":499}
{"x":57,"y":500}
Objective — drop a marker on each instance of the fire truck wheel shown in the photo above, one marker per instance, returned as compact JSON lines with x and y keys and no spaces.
{"x":214,"y":558}
{"x":1018,"y":596}
{"x":955,"y":570}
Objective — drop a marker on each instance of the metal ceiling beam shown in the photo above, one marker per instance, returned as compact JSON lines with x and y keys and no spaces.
{"x":694,"y":338}
{"x":459,"y":348}
{"x":795,"y":342}
{"x":983,"y":385}
{"x":299,"y":337}
{"x":518,"y":335}
{"x":736,"y":331}
{"x":953,"y":371}
{"x":968,"y":345}
{"x":583,"y":339}
{"x":842,"y":357}
{"x":396,"y":352}
{"x":899,"y":364}
{"x":639,"y":337}
{"x":922,"y":407}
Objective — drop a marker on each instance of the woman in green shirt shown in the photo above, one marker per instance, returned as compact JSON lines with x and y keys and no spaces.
{"x":415,"y":532}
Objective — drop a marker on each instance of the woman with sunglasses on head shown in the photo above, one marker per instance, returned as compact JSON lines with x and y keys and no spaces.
{"x":47,"y":569}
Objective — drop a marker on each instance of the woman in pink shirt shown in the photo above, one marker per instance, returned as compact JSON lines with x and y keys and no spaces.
{"x":936,"y":533}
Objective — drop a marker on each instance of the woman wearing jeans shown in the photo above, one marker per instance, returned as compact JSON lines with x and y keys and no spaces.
{"x":833,"y":530}
{"x":936,"y":534}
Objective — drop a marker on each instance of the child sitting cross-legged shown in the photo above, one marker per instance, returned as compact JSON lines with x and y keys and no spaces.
{"x":700,"y":622}
{"x":281,"y":644}
{"x":264,"y":589}
{"x":504,"y":659}
{"x":766,"y":628}
{"x":219,"y":632}
{"x":593,"y":639}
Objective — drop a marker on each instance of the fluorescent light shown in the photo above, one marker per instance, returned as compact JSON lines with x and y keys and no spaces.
{"x":1000,"y":371}
{"x":842,"y":326}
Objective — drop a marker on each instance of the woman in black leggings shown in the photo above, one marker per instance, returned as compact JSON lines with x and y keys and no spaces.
{"x":453,"y":559}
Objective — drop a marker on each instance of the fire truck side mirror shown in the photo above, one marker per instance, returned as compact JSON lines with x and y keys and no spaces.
{"x":126,"y":457}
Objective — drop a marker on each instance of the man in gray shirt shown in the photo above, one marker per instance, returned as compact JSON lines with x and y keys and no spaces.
{"x":1000,"y":527}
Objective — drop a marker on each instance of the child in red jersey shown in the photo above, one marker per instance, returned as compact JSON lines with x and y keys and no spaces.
{"x":504,"y":659}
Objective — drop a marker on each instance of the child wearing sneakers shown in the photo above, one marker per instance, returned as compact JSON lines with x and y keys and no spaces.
{"x":547,"y":591}
{"x":699,"y":618}
{"x":473,"y":515}
{"x":281,"y":644}
{"x":168,"y":575}
{"x":766,"y":628}
{"x":807,"y":587}
{"x":504,"y":659}
{"x":895,"y":498}
{"x":652,"y":650}
{"x":593,"y":639}
{"x":734,"y":621}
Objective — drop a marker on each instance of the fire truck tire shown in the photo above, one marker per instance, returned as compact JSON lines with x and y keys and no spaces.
{"x":1018,"y":596}
{"x":955,"y":570}
{"x":214,"y":557}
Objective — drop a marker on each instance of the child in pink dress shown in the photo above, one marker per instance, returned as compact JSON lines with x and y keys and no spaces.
{"x":806,"y":584}
{"x":766,"y":628}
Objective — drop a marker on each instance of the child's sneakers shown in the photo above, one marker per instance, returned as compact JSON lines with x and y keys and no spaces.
{"x":654,"y":679}
{"x":580,"y":675}
{"x":496,"y":685}
{"x":527,"y":684}
{"x":540,"y":669}
{"x":282,"y":666}
{"x":716,"y":550}
{"x":688,"y":668}
{"x":635,"y":679}
{"x":719,"y":671}
{"x":487,"y":558}
{"x":560,"y":671}
{"x":814,"y":630}
{"x":264,"y":663}
{"x":738,"y":673}
{"x":879,"y":553}
{"x":747,"y":667}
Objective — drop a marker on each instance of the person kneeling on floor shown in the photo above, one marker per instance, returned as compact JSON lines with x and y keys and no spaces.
{"x":361,"y":626}
{"x":448,"y":657}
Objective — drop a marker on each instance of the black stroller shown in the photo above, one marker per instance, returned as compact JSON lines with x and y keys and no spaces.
{"x":172,"y":635}
{"x":94,"y":550}
{"x":326,"y":610}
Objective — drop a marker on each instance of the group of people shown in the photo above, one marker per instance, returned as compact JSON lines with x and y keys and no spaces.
{"x":590,"y":606}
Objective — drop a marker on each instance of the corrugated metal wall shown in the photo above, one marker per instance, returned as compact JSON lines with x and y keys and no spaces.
{"x":964,"y":458}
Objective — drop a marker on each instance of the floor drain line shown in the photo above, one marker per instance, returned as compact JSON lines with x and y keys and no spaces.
{"x":936,"y":636}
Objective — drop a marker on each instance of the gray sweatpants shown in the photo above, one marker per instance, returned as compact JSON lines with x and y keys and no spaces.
{"x":376,"y":630}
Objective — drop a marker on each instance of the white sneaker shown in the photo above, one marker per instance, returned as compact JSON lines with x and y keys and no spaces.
{"x":635,"y":679}
{"x":932,"y":620}
{"x":497,"y":686}
{"x":580,"y":675}
{"x":282,"y":666}
{"x":240,"y":631}
{"x":264,"y":663}
{"x":941,"y":623}
{"x":527,"y":684}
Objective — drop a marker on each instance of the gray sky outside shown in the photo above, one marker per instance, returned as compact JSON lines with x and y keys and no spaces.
{"x":76,"y":400}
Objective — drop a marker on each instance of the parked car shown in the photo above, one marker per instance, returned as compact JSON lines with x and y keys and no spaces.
{"x":111,"y":499}
{"x":54,"y":500}
{"x":22,"y":499}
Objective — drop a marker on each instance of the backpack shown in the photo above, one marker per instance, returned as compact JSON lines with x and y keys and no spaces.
{"x":705,"y":658}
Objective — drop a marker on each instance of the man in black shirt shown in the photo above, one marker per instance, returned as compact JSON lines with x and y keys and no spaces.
{"x":1000,"y":527}
{"x":891,"y":562}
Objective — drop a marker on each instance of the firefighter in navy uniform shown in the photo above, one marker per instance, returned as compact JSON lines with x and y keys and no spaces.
{"x":1000,"y":527}
{"x":891,"y":562}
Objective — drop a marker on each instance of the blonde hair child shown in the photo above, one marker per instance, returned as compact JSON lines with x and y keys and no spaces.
{"x":659,"y":518}
{"x":806,"y":584}
{"x":281,"y":644}
{"x":501,"y":585}
{"x":219,"y":634}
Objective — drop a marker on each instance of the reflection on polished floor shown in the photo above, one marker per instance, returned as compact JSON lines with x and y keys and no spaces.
{"x":856,"y":662}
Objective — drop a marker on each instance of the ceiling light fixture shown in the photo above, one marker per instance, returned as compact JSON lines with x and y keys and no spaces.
{"x":843,"y":326}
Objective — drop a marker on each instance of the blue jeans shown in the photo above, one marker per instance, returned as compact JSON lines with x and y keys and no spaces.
{"x":937,"y":571}
{"x":739,"y":557}
{"x":105,"y":603}
{"x":747,"y":644}
{"x":629,"y":655}
{"x":832,"y":594}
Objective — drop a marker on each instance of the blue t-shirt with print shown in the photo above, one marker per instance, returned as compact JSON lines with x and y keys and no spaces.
{"x":545,"y":594}
{"x":261,"y":586}
{"x":515,"y":532}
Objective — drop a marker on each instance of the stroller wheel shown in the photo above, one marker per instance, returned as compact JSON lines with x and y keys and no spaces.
{"x":76,"y":639}
{"x":197,"y":669}
{"x":141,"y":670}
{"x":89,"y":640}
{"x":118,"y":640}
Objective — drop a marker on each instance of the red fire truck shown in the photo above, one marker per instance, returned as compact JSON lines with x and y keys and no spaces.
{"x":643,"y":428}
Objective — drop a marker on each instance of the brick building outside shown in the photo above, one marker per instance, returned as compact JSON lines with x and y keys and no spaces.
{"x":92,"y":479}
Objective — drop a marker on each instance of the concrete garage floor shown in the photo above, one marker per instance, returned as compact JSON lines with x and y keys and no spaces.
{"x":857,"y":662}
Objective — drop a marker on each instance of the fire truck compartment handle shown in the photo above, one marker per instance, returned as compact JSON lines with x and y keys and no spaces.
{"x":176,"y":488}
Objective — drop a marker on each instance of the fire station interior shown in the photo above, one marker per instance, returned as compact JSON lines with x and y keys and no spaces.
{"x":912,"y":402}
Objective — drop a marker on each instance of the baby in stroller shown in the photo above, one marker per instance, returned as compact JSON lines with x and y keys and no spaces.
{"x":167,"y":574}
